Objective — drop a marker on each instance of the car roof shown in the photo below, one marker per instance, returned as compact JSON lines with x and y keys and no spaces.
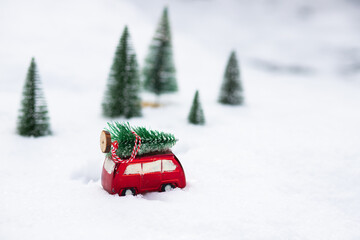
{"x":153,"y":156}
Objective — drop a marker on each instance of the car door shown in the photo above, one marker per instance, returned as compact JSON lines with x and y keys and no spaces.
{"x":151,"y":175}
{"x":170,"y":170}
{"x":131,"y":176}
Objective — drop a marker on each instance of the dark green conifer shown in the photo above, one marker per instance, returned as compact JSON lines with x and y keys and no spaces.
{"x":159,"y":70}
{"x":196,"y":115}
{"x":33,"y":119}
{"x":122,"y":94}
{"x":151,"y":140}
{"x":231,"y":90}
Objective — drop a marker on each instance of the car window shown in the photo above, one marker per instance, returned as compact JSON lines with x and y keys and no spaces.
{"x":168,"y":166}
{"x":134,"y":168}
{"x":152,"y":167}
{"x":109,"y":165}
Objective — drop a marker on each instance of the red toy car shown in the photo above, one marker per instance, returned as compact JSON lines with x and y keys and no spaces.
{"x":150,"y":172}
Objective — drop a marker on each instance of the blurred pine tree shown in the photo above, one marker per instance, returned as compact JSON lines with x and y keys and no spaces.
{"x":122,"y":94}
{"x":33,"y":119}
{"x":231,"y":90}
{"x":196,"y":115}
{"x":159,"y":70}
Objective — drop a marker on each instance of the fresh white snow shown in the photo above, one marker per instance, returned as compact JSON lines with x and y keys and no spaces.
{"x":286,"y":165}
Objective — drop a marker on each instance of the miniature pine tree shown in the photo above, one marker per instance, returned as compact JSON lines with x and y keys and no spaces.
{"x":150,"y":140}
{"x":33,"y":119}
{"x":122,"y":94}
{"x":159,"y":70}
{"x":231,"y":90}
{"x":196,"y":115}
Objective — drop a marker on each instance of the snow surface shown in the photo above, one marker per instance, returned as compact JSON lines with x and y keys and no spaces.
{"x":284,"y":166}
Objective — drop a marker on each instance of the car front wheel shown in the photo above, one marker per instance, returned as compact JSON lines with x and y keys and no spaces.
{"x":167,"y":187}
{"x":128,"y":192}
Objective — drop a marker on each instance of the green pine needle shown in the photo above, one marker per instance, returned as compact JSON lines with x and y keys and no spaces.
{"x":151,"y":140}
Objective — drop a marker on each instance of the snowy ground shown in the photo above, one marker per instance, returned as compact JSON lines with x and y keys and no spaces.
{"x":284,"y":166}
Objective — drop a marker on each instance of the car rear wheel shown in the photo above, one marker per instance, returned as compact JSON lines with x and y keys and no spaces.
{"x":167,"y":187}
{"x":128,"y":192}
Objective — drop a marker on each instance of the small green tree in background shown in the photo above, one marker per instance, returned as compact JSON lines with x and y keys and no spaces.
{"x":123,"y":88}
{"x":196,"y":115}
{"x":231,"y":90}
{"x":33,"y":119}
{"x":159,"y":70}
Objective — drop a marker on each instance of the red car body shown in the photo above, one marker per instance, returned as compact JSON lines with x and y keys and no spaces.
{"x":151,"y":172}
